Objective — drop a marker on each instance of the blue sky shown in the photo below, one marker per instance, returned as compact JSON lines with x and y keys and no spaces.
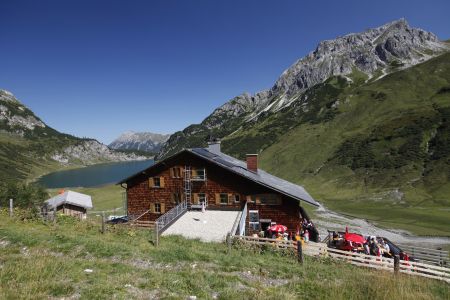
{"x":98,"y":68}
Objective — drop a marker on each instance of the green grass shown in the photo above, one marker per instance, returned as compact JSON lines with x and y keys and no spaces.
{"x":41,"y":261}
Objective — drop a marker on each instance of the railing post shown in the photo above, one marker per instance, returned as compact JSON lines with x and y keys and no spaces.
{"x":11,"y":211}
{"x":157,"y":235}
{"x":299,"y":252}
{"x":396,"y":264}
{"x":103,"y":222}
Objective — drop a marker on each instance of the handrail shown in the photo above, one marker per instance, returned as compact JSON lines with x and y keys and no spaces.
{"x":140,"y":216}
{"x":162,"y":222}
{"x":235,"y":224}
{"x":242,"y":220}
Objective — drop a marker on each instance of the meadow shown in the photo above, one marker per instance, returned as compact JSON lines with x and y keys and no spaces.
{"x":42,"y":261}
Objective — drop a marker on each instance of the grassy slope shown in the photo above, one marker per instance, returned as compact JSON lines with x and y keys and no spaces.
{"x":39,"y":261}
{"x":376,"y":111}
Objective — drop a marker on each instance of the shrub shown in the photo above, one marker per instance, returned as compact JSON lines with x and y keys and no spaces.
{"x":28,"y":196}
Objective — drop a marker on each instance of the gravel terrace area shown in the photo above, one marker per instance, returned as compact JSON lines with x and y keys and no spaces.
{"x":210,"y":226}
{"x":327,"y":219}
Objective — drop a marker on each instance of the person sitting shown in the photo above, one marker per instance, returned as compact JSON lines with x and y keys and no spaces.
{"x":366,"y":249}
{"x":387,"y":248}
{"x":306,"y":236}
{"x":373,"y":247}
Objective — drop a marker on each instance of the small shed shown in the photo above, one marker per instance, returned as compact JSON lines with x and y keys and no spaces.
{"x":70,"y":203}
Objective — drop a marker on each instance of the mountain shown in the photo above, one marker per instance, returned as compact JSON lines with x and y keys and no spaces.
{"x":367,"y":56}
{"x":362,"y":122}
{"x":28,"y":146}
{"x":141,"y":141}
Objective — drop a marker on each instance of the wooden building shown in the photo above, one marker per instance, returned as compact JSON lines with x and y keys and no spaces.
{"x":207,"y":177}
{"x":69,"y":203}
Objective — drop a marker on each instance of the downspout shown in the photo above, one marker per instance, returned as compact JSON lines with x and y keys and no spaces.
{"x":125,"y":205}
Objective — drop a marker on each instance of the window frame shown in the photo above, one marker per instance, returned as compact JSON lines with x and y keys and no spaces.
{"x":225,"y":197}
{"x":177,"y":198}
{"x":237,"y":198}
{"x":249,"y":215}
{"x":270,"y":199}
{"x":199,"y":171}
{"x":205,"y":197}
{"x":176,"y":172}
{"x":252,"y":224}
{"x":157,"y":208}
{"x":154,"y":182}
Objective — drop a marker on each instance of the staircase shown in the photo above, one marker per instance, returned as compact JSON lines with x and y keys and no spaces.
{"x":188,"y":186}
{"x":143,"y":224}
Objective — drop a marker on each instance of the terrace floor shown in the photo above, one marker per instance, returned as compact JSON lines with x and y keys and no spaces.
{"x":210,"y":226}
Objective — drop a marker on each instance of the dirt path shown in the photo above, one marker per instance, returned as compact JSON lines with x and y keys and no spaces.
{"x":329,"y":220}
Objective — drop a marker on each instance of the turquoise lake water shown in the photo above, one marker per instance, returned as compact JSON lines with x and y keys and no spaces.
{"x":95,"y":175}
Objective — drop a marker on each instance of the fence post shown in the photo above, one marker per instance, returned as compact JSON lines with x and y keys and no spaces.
{"x":396,"y":264}
{"x":299,"y":252}
{"x":11,"y":212}
{"x":156,"y":235}
{"x":229,"y":241}
{"x":103,"y":222}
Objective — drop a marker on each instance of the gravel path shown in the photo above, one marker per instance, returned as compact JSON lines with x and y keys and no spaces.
{"x":210,"y":226}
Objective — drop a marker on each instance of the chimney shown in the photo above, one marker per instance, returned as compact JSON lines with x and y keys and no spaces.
{"x":252,"y":162}
{"x":214,"y":146}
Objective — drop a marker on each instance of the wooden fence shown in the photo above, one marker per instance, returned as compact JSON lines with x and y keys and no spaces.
{"x":428,"y":256}
{"x":357,"y":259}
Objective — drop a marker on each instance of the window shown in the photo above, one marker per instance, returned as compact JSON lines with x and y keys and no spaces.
{"x":156,"y":182}
{"x":223,"y":198}
{"x":253,"y":219}
{"x":176,"y":198}
{"x":198,"y":174}
{"x":176,"y":172}
{"x":202,"y":198}
{"x":158,"y":208}
{"x":270,"y":199}
{"x":237,"y":198}
{"x":253,"y":198}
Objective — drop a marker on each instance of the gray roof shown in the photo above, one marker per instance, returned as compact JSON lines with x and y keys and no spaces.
{"x":237,"y":166}
{"x":70,"y":197}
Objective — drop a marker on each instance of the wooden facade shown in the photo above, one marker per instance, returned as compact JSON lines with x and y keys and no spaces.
{"x":161,"y":187}
{"x":72,"y":210}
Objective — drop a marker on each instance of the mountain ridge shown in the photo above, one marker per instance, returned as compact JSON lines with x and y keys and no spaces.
{"x":371,"y":54}
{"x":27,"y":144}
{"x":141,"y":141}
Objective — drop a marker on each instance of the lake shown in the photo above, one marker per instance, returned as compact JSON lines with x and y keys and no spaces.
{"x":94,"y":175}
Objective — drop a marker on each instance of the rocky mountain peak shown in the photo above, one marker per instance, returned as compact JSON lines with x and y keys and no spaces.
{"x":15,"y":117}
{"x":142,"y":141}
{"x":7,"y":96}
{"x":372,"y":51}
{"x":372,"y":54}
{"x":369,"y":51}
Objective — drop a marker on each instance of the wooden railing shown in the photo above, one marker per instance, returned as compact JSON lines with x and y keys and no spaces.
{"x":236,"y":223}
{"x":357,"y":259}
{"x":426,"y":255}
{"x":241,"y":227}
